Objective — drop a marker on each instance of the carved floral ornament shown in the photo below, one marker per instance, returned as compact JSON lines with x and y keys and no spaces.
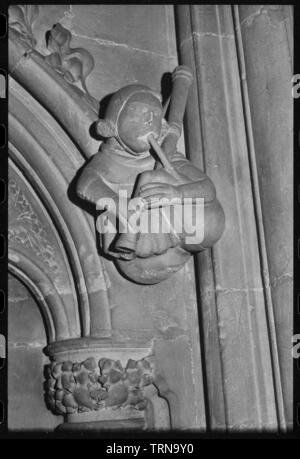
{"x":90,"y":385}
{"x":26,"y":229}
{"x":74,"y":64}
{"x":21,"y":19}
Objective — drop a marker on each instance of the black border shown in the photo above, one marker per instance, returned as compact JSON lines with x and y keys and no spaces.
{"x":296,"y":223}
{"x":3,"y":215}
{"x":107,"y":438}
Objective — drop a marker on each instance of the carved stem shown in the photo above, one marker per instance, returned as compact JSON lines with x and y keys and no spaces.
{"x":162,"y":157}
{"x":182,"y":79}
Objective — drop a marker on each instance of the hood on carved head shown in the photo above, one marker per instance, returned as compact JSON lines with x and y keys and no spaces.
{"x":109,"y":126}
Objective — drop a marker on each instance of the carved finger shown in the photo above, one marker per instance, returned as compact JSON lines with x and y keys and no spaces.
{"x":154,"y":200}
{"x":149,"y":186}
{"x":153,"y":192}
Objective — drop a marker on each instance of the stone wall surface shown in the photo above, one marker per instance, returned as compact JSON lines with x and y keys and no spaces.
{"x":26,"y":340}
{"x":121,"y":38}
{"x":242,"y":101}
{"x":268,"y":48}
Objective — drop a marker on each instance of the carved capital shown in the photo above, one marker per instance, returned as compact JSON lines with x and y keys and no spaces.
{"x":77,"y":387}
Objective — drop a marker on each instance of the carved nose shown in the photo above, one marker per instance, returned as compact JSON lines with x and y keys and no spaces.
{"x":150,"y":119}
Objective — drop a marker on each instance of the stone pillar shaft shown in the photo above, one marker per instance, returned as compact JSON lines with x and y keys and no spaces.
{"x":266,"y":32}
{"x":244,"y":385}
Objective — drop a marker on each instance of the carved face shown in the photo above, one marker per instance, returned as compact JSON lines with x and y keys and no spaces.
{"x":57,"y":37}
{"x":141,"y":115}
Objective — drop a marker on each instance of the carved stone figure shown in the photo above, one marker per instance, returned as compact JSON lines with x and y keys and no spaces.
{"x":126,"y":163}
{"x":74,"y":63}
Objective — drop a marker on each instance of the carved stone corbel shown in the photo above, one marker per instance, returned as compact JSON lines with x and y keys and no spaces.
{"x":140,"y":160}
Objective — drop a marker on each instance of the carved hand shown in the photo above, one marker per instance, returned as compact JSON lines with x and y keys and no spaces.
{"x":114,"y":206}
{"x":158,"y":190}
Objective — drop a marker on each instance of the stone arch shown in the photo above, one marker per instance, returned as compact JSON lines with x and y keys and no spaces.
{"x":48,"y":160}
{"x":43,"y":291}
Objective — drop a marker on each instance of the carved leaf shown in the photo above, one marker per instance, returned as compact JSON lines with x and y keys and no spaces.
{"x":27,"y":230}
{"x":31,"y":13}
{"x":15,"y":15}
{"x":80,"y":388}
{"x":74,"y":63}
{"x":20,"y":19}
{"x":16,"y":20}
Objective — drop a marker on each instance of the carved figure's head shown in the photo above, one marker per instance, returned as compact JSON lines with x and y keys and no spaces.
{"x":133,"y":112}
{"x":58,"y":38}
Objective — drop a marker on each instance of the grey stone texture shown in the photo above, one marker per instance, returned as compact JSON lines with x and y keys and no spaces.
{"x":268,"y":48}
{"x":120,"y":38}
{"x":233,"y":281}
{"x":26,"y":340}
{"x":2,"y":86}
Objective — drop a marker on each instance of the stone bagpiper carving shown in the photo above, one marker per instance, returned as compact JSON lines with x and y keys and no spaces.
{"x":133,"y":124}
{"x":74,"y":63}
{"x":86,"y":386}
{"x":21,"y":19}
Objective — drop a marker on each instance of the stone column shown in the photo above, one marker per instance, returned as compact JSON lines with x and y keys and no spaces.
{"x":266,"y":32}
{"x":241,"y":390}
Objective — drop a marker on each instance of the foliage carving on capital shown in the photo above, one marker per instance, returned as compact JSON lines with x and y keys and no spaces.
{"x":74,"y":387}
